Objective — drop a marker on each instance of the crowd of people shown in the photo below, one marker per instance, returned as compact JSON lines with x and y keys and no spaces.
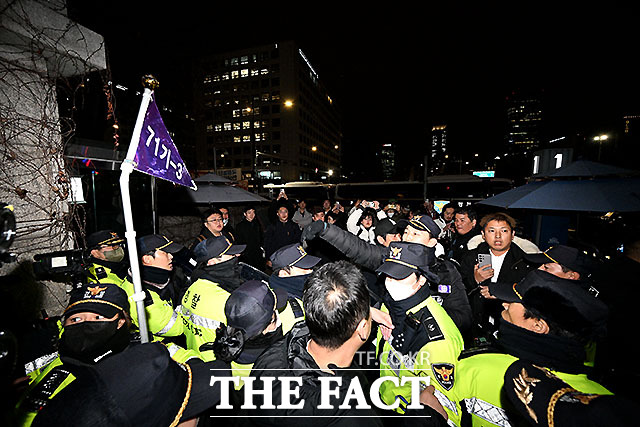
{"x":501,"y":332}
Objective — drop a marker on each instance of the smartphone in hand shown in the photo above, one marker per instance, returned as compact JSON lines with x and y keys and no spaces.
{"x":484,"y":260}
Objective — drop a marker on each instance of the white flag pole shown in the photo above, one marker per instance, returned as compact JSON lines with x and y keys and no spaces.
{"x":127,"y":167}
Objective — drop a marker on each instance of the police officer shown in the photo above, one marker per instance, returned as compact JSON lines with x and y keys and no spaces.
{"x":292,"y":265}
{"x":95,"y":327}
{"x":162,"y":291}
{"x":256,"y":317}
{"x":215,"y":277}
{"x":448,"y":288}
{"x":424,"y":341}
{"x":547,"y":321}
{"x":106,"y":257}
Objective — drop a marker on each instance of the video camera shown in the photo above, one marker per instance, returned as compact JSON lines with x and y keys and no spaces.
{"x":62,"y":266}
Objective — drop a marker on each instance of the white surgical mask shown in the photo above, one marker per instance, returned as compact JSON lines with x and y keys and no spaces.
{"x":225,"y":222}
{"x":399,"y":291}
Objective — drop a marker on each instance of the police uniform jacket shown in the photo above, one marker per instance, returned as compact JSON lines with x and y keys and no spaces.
{"x":425,"y":343}
{"x":452,"y":295}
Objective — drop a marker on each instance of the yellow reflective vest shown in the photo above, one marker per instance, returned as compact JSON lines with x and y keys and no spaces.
{"x":436,"y":358}
{"x":481,"y":379}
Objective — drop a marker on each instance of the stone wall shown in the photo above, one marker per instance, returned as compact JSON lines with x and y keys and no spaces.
{"x":39,"y":46}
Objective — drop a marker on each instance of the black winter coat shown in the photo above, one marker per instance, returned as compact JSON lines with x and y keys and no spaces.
{"x":280,"y":234}
{"x":370,"y":256}
{"x":251,"y":234}
{"x":513,"y":269}
{"x":289,"y":357}
{"x":486,"y":312}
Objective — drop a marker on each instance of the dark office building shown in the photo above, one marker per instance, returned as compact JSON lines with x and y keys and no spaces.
{"x":387,"y":155}
{"x":438,"y":149}
{"x":263,"y":111}
{"x":524,"y":122}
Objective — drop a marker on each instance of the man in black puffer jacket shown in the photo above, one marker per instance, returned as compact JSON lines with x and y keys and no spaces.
{"x":445,"y":281}
{"x":337,"y":323}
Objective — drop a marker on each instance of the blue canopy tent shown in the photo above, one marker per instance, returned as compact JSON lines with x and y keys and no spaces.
{"x":578,"y":188}
{"x":586,"y":195}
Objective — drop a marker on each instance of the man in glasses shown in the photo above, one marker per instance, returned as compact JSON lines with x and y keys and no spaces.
{"x":212,"y":226}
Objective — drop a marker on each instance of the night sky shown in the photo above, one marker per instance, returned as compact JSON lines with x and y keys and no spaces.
{"x":396,"y":72}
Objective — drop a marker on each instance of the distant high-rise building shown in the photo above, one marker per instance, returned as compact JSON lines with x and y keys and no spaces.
{"x":263,"y":110}
{"x":388,"y":161}
{"x":631,"y":124}
{"x":438,"y":149}
{"x":524,"y":122}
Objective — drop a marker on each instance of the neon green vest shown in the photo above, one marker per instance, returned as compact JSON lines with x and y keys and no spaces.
{"x":39,"y":391}
{"x":53,"y":378}
{"x":162,"y":319}
{"x":201,"y":313}
{"x":101,"y":274}
{"x":480,"y":381}
{"x":436,"y":359}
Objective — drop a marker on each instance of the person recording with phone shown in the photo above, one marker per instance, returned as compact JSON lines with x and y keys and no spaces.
{"x":497,"y":259}
{"x":363,"y":219}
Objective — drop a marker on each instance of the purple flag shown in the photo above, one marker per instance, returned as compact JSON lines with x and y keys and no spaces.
{"x":156,"y":154}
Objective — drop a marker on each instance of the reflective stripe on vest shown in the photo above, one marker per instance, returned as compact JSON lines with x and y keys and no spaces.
{"x":198,"y":320}
{"x":487,"y":412}
{"x":169,"y":325}
{"x":39,"y":362}
{"x":445,"y":401}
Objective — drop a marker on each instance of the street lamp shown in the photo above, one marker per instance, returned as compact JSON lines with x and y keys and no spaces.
{"x":288,"y":103}
{"x":600,"y":138}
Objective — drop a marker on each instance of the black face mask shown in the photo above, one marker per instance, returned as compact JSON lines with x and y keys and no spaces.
{"x":90,"y":341}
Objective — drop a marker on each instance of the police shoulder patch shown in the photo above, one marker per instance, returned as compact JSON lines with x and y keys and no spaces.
{"x":443,"y":373}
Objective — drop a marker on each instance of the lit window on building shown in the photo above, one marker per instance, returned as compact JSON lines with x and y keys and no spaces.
{"x":236,"y":126}
{"x":236,"y":113}
{"x":246,"y":125}
{"x":255,"y":72}
{"x":234,"y":61}
{"x":246,"y":138}
{"x":264,"y":71}
{"x":218,"y":128}
{"x":275,"y":96}
{"x":237,"y":138}
{"x":235,"y":74}
{"x":207,"y":79}
{"x":244,"y":72}
{"x":244,"y":60}
{"x":225,"y":76}
{"x":257,"y":137}
{"x":216,"y":77}
{"x":209,"y":128}
{"x":227,"y":126}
